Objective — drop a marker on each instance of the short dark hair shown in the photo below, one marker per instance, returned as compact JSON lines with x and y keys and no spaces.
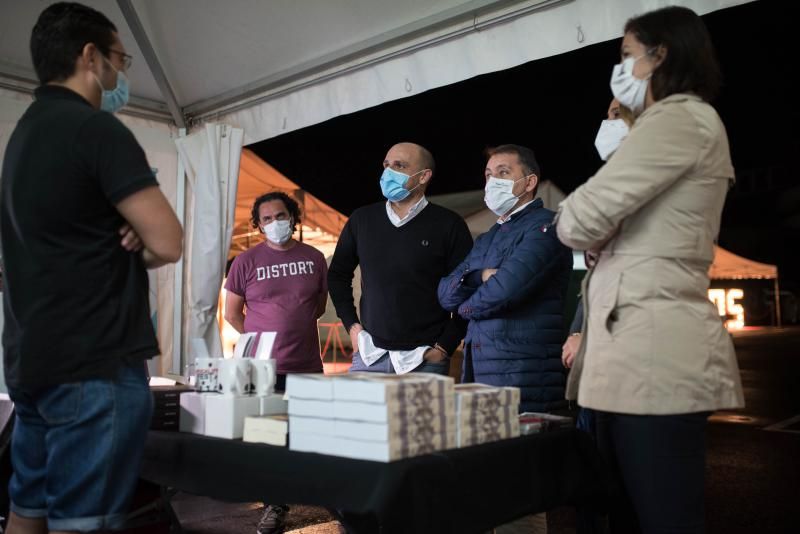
{"x":291,"y":206}
{"x":526,"y":158}
{"x":60,"y":34}
{"x":690,"y":65}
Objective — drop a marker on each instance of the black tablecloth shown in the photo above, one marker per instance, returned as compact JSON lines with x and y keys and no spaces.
{"x":459,"y":491}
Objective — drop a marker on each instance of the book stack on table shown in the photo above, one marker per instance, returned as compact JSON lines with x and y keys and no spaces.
{"x":371,"y":416}
{"x":486,"y":413}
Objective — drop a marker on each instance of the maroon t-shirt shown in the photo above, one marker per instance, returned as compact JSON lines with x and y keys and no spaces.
{"x":281,"y":290}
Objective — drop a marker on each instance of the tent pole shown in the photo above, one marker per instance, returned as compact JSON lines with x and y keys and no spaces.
{"x":177,"y":295}
{"x":777,"y":301}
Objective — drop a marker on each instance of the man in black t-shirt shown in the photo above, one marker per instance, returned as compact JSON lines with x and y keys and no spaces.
{"x":404,"y":246}
{"x":81,"y":218}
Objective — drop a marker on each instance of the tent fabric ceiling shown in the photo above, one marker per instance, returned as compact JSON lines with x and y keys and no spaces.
{"x":209,"y":49}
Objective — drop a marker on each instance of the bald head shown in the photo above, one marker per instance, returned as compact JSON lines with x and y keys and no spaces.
{"x":417,"y":156}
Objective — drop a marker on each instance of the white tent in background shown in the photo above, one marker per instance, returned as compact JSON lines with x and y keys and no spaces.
{"x":729,"y":266}
{"x":267,"y":68}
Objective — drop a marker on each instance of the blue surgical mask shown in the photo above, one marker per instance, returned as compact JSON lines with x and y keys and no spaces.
{"x":117,"y":98}
{"x":393,"y":184}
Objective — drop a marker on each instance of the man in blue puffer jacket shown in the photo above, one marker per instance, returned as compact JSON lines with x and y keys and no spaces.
{"x":511,"y":288}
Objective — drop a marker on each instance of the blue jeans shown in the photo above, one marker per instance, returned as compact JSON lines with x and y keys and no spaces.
{"x":77,"y":449}
{"x":384,"y":365}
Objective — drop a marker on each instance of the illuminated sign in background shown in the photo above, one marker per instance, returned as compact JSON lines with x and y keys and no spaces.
{"x":726,"y":302}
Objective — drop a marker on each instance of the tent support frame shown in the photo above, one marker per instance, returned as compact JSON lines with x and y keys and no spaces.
{"x":129,"y":12}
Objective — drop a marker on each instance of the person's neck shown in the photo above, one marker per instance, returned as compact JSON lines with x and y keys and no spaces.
{"x":76,"y":85}
{"x":527,"y":197}
{"x":286,"y":246}
{"x":402,"y":207}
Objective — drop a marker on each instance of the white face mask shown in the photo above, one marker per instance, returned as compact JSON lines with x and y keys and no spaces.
{"x":279,"y":232}
{"x":627,"y":88}
{"x":609,"y":137}
{"x":499,"y":196}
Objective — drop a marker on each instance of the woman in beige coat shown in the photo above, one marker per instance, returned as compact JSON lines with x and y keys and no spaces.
{"x":656,"y":359}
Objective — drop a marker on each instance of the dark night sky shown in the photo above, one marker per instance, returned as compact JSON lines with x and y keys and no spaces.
{"x":555,"y":106}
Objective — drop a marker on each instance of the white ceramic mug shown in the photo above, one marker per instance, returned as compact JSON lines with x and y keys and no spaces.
{"x":207,"y":374}
{"x":263,"y":376}
{"x":234,"y":377}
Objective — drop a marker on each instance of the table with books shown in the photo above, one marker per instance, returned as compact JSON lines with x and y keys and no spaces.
{"x":409,"y":453}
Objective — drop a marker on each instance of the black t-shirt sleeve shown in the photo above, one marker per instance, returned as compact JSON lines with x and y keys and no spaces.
{"x":113,"y":157}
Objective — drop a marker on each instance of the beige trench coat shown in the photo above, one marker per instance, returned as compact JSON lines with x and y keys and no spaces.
{"x":654,"y":344}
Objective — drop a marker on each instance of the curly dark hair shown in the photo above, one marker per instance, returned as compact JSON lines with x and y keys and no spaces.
{"x":291,"y":206}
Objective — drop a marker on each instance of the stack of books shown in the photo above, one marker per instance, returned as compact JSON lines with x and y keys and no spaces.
{"x":371,"y":416}
{"x":485,"y":413}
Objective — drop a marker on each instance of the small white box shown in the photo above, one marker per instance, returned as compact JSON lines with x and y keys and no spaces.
{"x":382,"y":413}
{"x":312,"y":425}
{"x":309,"y":386}
{"x":274,"y":404}
{"x":266,"y":429}
{"x":193,"y":412}
{"x":225,"y":415}
{"x":310,"y":407}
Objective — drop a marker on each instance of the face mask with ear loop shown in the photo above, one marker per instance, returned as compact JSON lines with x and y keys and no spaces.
{"x":499,"y":194}
{"x":115,"y":99}
{"x":627,"y":88}
{"x":393,"y":184}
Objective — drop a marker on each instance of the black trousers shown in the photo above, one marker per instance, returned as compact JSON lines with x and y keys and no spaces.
{"x":658,"y":470}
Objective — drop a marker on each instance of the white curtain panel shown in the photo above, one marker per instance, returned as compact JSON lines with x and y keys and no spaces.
{"x":211,"y":159}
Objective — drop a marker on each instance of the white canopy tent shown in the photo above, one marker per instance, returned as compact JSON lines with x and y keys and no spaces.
{"x":729,"y":266}
{"x":267,"y":68}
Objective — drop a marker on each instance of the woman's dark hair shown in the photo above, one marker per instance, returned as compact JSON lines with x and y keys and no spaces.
{"x":690,"y":65}
{"x":291,"y":206}
{"x":60,"y":34}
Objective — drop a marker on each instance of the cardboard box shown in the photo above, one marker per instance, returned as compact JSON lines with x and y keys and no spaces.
{"x":193,"y":412}
{"x":382,"y":413}
{"x":270,"y":429}
{"x":369,"y":450}
{"x":416,"y":388}
{"x":393,"y":429}
{"x":312,"y":425}
{"x":309,"y":386}
{"x":225,"y":415}
{"x":274,"y":404}
{"x":482,"y":396}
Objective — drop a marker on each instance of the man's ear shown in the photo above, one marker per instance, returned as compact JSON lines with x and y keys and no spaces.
{"x":425,"y":176}
{"x":533,"y":181}
{"x":89,"y":55}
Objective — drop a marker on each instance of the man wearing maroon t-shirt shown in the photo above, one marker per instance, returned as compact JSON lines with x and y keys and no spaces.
{"x":282,"y":285}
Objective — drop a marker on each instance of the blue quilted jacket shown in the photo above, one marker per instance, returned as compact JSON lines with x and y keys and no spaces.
{"x":516,"y":325}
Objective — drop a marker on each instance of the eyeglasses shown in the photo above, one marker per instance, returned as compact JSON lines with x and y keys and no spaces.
{"x":127,"y":59}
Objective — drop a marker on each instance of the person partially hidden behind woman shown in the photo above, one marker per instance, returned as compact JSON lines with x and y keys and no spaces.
{"x":657,"y":360}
